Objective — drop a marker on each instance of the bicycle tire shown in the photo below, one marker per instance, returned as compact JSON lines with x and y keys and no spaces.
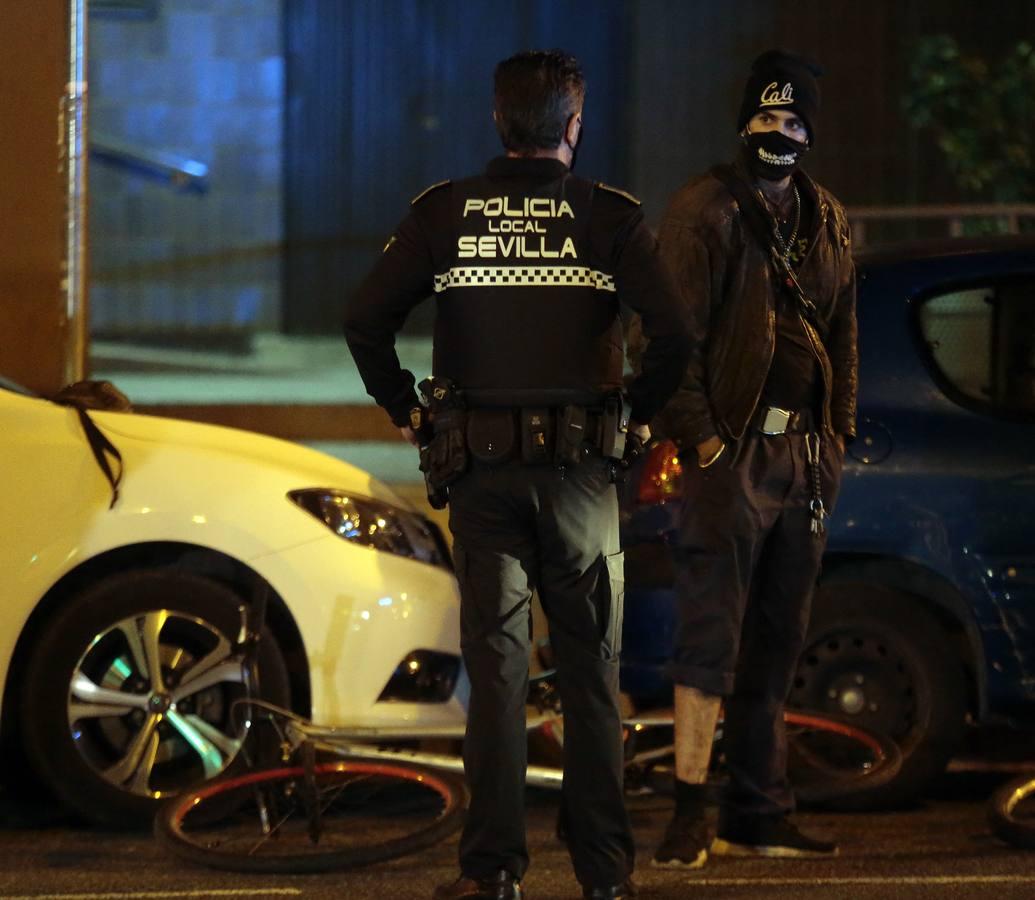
{"x":836,"y":783}
{"x":869,"y":759}
{"x":1003,"y":812}
{"x":238,"y":843}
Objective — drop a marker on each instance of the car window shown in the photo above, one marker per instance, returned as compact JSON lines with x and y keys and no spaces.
{"x":981,"y":341}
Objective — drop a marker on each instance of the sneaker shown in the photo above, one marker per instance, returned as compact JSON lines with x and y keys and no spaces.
{"x":777,"y":838}
{"x":685,"y":844}
{"x":501,"y":886}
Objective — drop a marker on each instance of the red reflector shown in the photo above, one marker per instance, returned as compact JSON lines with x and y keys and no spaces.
{"x":662,"y":477}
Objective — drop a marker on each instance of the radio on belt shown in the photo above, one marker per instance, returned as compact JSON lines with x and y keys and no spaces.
{"x":614,"y":426}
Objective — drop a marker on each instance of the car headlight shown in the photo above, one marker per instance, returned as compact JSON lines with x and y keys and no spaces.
{"x":375,"y":524}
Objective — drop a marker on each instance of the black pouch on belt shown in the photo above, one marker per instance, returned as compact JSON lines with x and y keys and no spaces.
{"x":614,"y":426}
{"x":491,"y":434}
{"x":536,"y":435}
{"x":571,"y":436}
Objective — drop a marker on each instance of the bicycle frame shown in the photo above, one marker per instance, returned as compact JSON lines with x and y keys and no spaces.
{"x":366,"y":743}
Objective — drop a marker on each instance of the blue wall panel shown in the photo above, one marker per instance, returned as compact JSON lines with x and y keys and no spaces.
{"x":386,"y":98}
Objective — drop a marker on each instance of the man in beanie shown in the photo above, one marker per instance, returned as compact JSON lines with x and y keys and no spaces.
{"x":762,"y":258}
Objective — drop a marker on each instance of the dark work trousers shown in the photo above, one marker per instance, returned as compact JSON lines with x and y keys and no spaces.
{"x":746,"y":566}
{"x":517,"y":527}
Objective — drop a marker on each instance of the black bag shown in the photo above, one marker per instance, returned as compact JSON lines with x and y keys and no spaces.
{"x":93,"y":395}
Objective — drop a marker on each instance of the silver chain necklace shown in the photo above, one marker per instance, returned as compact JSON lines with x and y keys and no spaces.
{"x":788,"y":245}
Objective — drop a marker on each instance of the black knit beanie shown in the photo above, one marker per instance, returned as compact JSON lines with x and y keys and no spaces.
{"x":781,"y":80}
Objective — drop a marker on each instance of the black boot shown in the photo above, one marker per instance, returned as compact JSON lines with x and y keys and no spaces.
{"x":501,"y":886}
{"x":685,"y":844}
{"x":624,"y":891}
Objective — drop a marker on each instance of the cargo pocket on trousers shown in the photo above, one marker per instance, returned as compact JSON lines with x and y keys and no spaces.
{"x":471,"y":623}
{"x":614,"y":586}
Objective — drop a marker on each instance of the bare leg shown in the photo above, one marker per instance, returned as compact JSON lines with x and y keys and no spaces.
{"x":685,"y":844}
{"x":695,"y":716}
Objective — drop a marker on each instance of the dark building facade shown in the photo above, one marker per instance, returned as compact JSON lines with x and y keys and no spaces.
{"x":343,"y":110}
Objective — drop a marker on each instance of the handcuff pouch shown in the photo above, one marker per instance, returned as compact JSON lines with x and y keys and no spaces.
{"x":491,"y":434}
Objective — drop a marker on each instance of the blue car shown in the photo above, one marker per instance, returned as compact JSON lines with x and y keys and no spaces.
{"x":924,"y":616}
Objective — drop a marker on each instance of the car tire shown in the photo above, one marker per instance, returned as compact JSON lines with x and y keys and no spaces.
{"x":111,"y":763}
{"x":878,"y":657}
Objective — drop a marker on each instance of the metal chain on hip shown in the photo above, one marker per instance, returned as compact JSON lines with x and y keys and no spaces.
{"x":813,"y":446}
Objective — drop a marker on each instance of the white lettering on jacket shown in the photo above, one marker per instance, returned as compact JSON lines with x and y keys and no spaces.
{"x":519,"y":229}
{"x":492,"y":246}
{"x":526,"y":207}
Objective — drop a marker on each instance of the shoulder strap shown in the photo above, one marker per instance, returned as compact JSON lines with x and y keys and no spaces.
{"x":428,"y":190}
{"x":100,"y":445}
{"x":625,"y":195}
{"x":759,"y":222}
{"x":84,"y":395}
{"x":762,"y":226}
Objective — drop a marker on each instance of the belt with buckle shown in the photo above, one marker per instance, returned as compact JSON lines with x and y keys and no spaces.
{"x":772,"y":420}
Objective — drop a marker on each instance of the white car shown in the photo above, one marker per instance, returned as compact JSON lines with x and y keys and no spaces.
{"x":118,"y":619}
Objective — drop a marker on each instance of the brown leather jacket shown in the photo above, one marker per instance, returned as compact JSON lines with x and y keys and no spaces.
{"x":726,"y":282}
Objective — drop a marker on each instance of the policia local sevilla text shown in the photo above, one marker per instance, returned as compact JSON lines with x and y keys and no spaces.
{"x":514,"y":229}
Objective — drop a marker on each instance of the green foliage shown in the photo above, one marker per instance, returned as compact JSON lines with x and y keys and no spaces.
{"x":982,"y":116}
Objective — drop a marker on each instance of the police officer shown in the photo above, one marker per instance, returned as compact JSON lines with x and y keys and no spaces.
{"x":527,"y":263}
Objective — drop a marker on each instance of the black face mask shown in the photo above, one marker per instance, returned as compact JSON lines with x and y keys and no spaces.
{"x":772,"y":155}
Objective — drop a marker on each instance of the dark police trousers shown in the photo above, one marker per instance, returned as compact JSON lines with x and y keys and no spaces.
{"x":518,"y":527}
{"x":746,"y":566}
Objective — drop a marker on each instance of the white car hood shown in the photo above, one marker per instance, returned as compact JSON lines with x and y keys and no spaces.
{"x":321,"y":469}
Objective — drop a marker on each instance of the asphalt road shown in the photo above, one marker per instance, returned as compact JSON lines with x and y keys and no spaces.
{"x":941,"y":849}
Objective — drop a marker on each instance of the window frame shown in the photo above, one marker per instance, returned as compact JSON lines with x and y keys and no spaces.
{"x":944,"y":384}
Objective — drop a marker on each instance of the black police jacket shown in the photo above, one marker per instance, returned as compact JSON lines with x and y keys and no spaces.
{"x":527,"y":264}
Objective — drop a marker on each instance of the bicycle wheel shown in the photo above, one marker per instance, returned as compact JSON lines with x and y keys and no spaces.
{"x":831,"y":758}
{"x":1011,"y":811}
{"x":335,"y":815}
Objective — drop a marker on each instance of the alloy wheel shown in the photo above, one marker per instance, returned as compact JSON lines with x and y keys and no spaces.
{"x":150,"y":704}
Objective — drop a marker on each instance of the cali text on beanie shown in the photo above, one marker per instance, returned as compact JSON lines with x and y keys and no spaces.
{"x":781,"y":80}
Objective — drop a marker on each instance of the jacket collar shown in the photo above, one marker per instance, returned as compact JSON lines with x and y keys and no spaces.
{"x":526,"y":167}
{"x":808,"y":188}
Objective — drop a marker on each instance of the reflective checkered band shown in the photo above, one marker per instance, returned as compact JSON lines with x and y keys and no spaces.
{"x":540,"y":276}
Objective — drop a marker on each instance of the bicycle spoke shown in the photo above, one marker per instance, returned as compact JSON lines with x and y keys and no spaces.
{"x":273,"y":832}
